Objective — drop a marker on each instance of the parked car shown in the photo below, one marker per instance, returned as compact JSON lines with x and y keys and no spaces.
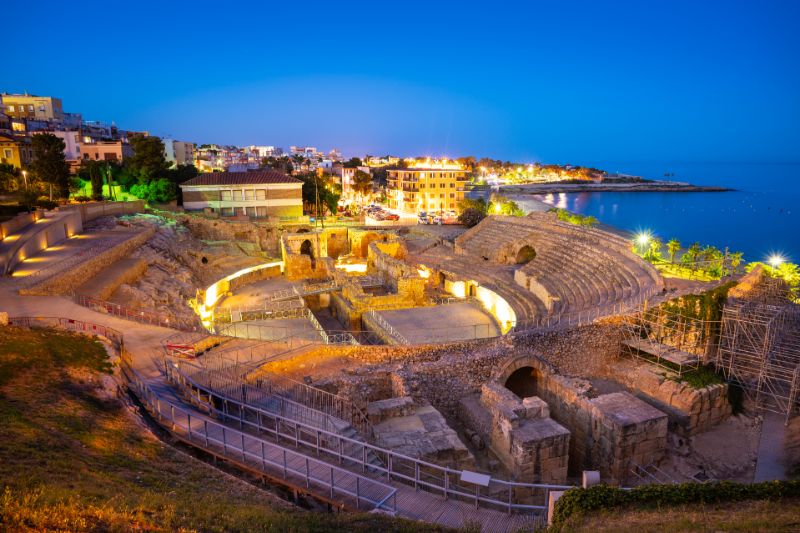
{"x":392,"y":216}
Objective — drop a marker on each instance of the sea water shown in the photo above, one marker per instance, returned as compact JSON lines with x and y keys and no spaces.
{"x":760,"y":217}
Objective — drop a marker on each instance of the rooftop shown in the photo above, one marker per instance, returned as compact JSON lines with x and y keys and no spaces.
{"x":254,"y":177}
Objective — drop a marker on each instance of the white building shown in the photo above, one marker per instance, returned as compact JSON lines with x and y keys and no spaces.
{"x":257,"y":194}
{"x":178,"y":152}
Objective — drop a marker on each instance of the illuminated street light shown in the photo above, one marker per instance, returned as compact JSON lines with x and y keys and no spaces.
{"x":776,"y":260}
{"x":643,"y":239}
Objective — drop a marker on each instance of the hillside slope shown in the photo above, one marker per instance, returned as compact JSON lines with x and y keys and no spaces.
{"x":73,"y":458}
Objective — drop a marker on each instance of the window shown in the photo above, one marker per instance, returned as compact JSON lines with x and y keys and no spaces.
{"x":7,"y":153}
{"x":261,"y":194}
{"x":226,"y":195}
{"x":251,"y":211}
{"x":452,"y":195}
{"x":227,"y":211}
{"x":236,"y":194}
{"x":30,"y":108}
{"x":249,"y":194}
{"x":261,"y":211}
{"x":441,"y":195}
{"x":11,"y":108}
{"x":452,"y":185}
{"x":452,"y":205}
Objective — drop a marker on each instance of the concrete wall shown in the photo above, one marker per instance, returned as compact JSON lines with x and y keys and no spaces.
{"x":18,"y":222}
{"x":91,"y":210}
{"x":45,"y":232}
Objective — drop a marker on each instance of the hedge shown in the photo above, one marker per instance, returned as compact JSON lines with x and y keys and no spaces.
{"x":577,"y":501}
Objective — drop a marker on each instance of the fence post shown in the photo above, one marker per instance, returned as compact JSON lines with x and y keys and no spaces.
{"x":308,"y":475}
{"x":224,"y":443}
{"x":358,"y":492}
{"x":205,"y":430}
{"x":244,"y":459}
{"x":284,"y":464}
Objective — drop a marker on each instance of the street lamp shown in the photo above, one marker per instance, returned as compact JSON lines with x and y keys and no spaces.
{"x":642,"y":241}
{"x":25,"y":178}
{"x":776,"y":260}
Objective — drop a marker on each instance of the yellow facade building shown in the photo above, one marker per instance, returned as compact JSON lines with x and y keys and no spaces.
{"x":14,"y":150}
{"x":427,"y":186}
{"x":31,"y":107}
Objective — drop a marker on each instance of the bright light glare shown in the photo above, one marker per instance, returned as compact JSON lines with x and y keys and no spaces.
{"x":776,"y":260}
{"x":643,"y":238}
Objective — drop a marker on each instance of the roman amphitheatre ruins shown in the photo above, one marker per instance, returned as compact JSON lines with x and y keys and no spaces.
{"x":435,"y":373}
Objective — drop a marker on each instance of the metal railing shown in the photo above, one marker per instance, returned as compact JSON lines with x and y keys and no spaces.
{"x":142,"y":316}
{"x":114,"y":336}
{"x":588,"y":316}
{"x":395,"y":335}
{"x":352,"y":453}
{"x":296,"y":469}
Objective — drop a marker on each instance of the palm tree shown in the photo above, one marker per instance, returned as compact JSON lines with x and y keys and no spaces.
{"x":736,"y":260}
{"x":692,"y":255}
{"x":655,"y":248}
{"x":673,"y":247}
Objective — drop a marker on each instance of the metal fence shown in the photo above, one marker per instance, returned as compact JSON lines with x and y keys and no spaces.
{"x":355,"y":454}
{"x":296,"y":469}
{"x":142,"y":316}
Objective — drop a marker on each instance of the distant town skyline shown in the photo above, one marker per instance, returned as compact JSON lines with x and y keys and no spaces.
{"x":576,"y":83}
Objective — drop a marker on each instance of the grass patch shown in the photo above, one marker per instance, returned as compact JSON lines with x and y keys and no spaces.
{"x":73,"y":459}
{"x":578,"y":505}
{"x":753,"y":516}
{"x":699,"y":378}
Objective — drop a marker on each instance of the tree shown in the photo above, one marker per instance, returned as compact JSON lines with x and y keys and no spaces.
{"x":148,"y":160}
{"x":50,"y":163}
{"x":471,"y":217}
{"x":362,"y":183}
{"x":655,"y":248}
{"x":736,"y":260}
{"x":673,"y":247}
{"x":478,"y":204}
{"x":353,"y":162}
{"x":93,"y":171}
{"x":692,"y":255}
{"x":9,"y":178}
{"x":298,"y":160}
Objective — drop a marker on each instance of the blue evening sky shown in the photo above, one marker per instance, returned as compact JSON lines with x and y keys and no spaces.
{"x":552,"y":81}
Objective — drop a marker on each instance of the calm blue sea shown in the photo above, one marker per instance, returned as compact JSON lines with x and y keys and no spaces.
{"x":762,"y":216}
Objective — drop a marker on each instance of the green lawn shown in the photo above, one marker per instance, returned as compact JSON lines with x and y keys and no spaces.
{"x":72,"y":458}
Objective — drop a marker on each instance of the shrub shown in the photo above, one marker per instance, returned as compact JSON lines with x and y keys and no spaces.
{"x":471,"y":217}
{"x":578,"y":501}
{"x":44,"y":203}
{"x":81,"y":198}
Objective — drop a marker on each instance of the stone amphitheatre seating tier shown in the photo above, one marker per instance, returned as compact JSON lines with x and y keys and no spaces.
{"x":579,"y":268}
{"x":523,"y":303}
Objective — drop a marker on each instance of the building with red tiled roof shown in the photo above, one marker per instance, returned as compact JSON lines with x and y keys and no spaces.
{"x":257,"y":194}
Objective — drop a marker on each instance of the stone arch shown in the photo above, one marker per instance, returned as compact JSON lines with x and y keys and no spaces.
{"x":366,"y":239}
{"x":534,"y":361}
{"x":523,"y":382}
{"x":525,"y":254}
{"x":307,"y":248}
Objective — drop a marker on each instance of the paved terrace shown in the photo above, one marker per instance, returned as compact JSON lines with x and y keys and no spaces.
{"x":144,"y":344}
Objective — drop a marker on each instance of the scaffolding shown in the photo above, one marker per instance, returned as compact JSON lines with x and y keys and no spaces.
{"x":667,"y":338}
{"x":759,"y":349}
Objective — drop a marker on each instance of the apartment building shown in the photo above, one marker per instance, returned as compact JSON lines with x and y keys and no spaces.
{"x":257,"y":194}
{"x":178,"y":152}
{"x":429,"y":186}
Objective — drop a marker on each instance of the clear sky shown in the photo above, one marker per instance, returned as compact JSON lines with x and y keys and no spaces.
{"x":566,"y":82}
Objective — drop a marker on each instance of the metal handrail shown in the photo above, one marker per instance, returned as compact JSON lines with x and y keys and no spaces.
{"x":143,"y":316}
{"x":421,"y":474}
{"x":237,"y":445}
{"x":396,"y":335}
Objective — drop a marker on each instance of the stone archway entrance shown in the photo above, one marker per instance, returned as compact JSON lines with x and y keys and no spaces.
{"x":306,"y":248}
{"x":525,"y":255}
{"x":522,"y":382}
